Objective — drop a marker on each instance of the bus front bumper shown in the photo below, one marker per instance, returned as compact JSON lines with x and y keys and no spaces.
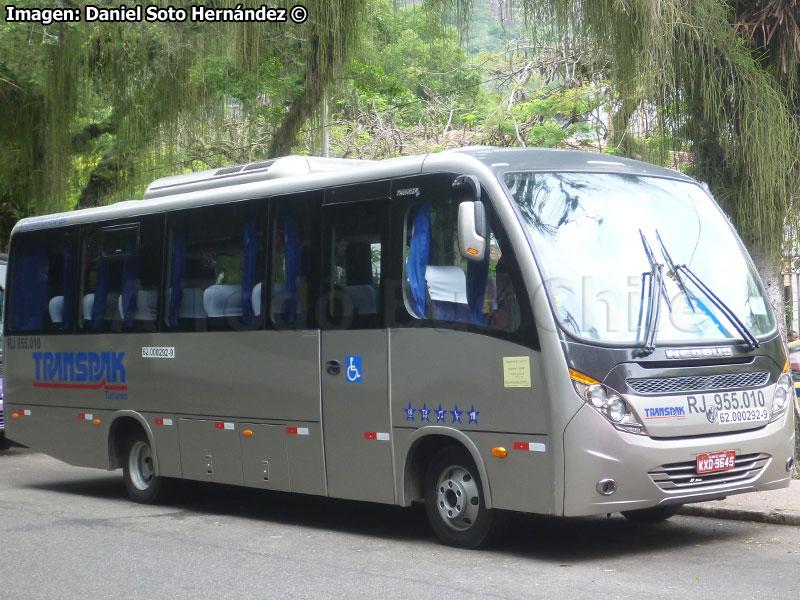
{"x":607,"y":470}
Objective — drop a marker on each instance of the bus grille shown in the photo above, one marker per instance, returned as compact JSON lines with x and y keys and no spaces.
{"x":684,"y":476}
{"x":669,"y":385}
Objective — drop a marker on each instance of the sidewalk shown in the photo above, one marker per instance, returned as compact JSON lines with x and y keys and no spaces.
{"x":779,"y":507}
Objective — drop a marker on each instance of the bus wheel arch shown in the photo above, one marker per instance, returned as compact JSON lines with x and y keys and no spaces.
{"x":131,"y":446}
{"x":424,"y":445}
{"x":123,"y":424}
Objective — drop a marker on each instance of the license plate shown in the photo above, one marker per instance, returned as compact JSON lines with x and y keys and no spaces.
{"x":716,"y":461}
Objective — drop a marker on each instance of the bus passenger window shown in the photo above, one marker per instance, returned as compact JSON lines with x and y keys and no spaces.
{"x":216,"y":266}
{"x":443,"y":286}
{"x":43,"y":282}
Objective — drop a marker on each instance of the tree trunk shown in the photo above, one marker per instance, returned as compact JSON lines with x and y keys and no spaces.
{"x":771,"y":274}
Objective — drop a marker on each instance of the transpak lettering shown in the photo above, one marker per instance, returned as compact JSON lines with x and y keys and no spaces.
{"x":664,"y":412}
{"x":80,"y":370}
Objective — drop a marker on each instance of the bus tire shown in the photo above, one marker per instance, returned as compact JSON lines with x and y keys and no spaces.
{"x":655,"y":514}
{"x":454,"y":501}
{"x":138,"y":470}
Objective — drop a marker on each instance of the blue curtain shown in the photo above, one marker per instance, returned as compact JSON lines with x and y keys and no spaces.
{"x":130,"y":288}
{"x":69,"y":285}
{"x":292,"y":268}
{"x":249,"y":270}
{"x":418,"y":258}
{"x":100,"y":292}
{"x":29,"y":302}
{"x":176,"y":277}
{"x":477,"y":276}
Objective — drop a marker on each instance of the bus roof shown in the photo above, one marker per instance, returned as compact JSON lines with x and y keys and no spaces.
{"x":300,"y":173}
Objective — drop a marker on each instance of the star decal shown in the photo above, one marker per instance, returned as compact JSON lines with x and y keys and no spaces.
{"x":410,"y":412}
{"x":457,"y":414}
{"x":473,"y":415}
{"x":424,"y":412}
{"x":440,"y":414}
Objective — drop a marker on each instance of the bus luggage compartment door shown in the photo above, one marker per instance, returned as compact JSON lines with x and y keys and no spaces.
{"x":355,"y":415}
{"x":210,"y":451}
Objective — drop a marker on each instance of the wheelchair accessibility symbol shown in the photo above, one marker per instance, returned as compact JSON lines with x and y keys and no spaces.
{"x":353,"y":372}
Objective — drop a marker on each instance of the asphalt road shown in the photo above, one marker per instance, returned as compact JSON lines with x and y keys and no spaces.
{"x":67,"y":532}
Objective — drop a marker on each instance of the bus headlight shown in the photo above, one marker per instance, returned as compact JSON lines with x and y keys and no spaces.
{"x":616,"y":409}
{"x":596,"y":395}
{"x":607,"y":402}
{"x":783,"y":392}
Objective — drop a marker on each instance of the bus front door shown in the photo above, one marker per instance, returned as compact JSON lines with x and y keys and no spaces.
{"x":355,"y":415}
{"x":354,"y":354}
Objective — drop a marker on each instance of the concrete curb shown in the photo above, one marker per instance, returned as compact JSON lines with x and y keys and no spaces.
{"x":773,"y":517}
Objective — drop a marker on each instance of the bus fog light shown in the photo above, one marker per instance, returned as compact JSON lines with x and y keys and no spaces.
{"x":616,"y":409}
{"x":606,"y":487}
{"x":596,"y":395}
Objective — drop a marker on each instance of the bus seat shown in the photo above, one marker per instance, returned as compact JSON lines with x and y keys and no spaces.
{"x":447,"y":288}
{"x":88,"y":303}
{"x":363,"y":297}
{"x":146,"y":305}
{"x":222,"y":300}
{"x":255,"y":298}
{"x":56,"y":309}
{"x":192,"y":304}
{"x":110,"y":311}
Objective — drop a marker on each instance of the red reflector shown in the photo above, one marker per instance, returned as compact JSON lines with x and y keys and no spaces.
{"x":521,"y":446}
{"x":291,"y":430}
{"x":159,"y":421}
{"x":81,"y":416}
{"x":219,"y":425}
{"x":371,"y":435}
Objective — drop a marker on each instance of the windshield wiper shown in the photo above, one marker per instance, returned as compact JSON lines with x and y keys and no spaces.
{"x":654,"y":292}
{"x":676,"y":270}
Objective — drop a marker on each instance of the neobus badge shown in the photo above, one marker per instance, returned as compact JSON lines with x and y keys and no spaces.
{"x":718,"y":352}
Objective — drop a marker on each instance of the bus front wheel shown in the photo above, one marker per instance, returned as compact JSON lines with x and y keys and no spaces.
{"x":138,"y":470}
{"x":454,"y":501}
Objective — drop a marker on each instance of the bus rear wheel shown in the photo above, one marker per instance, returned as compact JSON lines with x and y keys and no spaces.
{"x":454,"y":501}
{"x":138,"y":470}
{"x":655,"y":514}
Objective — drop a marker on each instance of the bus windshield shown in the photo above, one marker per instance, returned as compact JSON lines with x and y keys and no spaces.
{"x":592,"y":233}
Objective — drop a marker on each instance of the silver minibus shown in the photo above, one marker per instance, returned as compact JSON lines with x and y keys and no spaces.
{"x":483,"y":330}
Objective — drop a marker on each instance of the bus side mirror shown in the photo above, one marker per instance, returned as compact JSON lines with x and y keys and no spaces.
{"x":472,"y":230}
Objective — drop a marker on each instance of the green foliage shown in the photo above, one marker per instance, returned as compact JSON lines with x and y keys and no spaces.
{"x":407,"y":60}
{"x":93,"y":112}
{"x":688,"y":63}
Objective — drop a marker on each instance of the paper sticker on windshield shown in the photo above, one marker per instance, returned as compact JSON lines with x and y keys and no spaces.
{"x":516,"y":371}
{"x":757,"y":305}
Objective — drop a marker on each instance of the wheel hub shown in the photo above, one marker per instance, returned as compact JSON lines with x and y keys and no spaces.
{"x":457,"y":497}
{"x":141,"y":465}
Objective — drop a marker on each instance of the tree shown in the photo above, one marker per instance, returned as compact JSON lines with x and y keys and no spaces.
{"x":89,"y":112}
